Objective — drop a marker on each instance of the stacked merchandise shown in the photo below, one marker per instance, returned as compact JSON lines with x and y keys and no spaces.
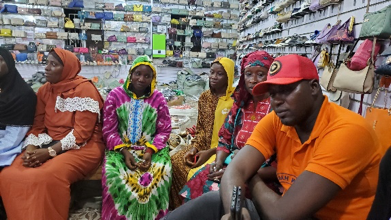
{"x":194,"y":30}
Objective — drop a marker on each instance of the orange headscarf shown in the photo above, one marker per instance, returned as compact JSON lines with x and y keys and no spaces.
{"x":69,"y":78}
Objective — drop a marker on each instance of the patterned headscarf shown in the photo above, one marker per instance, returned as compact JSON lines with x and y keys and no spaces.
{"x":256,"y":58}
{"x":141,"y":60}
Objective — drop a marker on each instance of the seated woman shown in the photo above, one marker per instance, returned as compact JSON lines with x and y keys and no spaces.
{"x":137,"y":166}
{"x":213,"y":107}
{"x":63,"y":146}
{"x":245,"y":113}
{"x":17,"y":108}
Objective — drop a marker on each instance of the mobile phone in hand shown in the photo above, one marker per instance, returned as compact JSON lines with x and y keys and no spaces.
{"x":233,"y":202}
{"x":238,"y":208}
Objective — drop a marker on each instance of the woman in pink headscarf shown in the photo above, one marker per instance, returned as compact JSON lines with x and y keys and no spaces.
{"x":245,"y":113}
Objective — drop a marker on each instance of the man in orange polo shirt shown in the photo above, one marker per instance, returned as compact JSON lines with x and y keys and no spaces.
{"x":328,"y":157}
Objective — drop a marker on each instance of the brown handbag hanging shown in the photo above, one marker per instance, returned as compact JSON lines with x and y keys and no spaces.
{"x":380,"y":118}
{"x":128,"y":17}
{"x":216,"y":34}
{"x":51,"y":35}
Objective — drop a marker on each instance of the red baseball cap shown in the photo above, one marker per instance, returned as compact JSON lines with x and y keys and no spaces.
{"x":287,"y":70}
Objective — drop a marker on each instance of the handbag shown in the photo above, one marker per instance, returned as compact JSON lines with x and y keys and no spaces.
{"x":360,"y":58}
{"x":31,"y":47}
{"x":96,"y":37}
{"x":112,"y":38}
{"x":324,"y":34}
{"x":343,"y":33}
{"x":128,"y":17}
{"x":39,"y":35}
{"x":69,"y":23}
{"x":129,"y":7}
{"x":138,"y":7}
{"x":55,"y":2}
{"x":40,"y":23}
{"x":138,"y":18}
{"x":119,"y":7}
{"x":156,"y":19}
{"x":35,"y":11}
{"x":380,"y":118}
{"x":23,"y":11}
{"x":52,"y":24}
{"x":356,"y":81}
{"x":121,"y":38}
{"x":51,"y":35}
{"x":385,"y":67}
{"x":147,"y":8}
{"x":17,"y":33}
{"x":109,"y":15}
{"x":109,"y":6}
{"x":169,"y":53}
{"x":324,"y":59}
{"x":17,"y":21}
{"x":73,"y":36}
{"x":216,"y":34}
{"x":42,"y":47}
{"x":119,"y":17}
{"x":82,"y":36}
{"x":62,"y":35}
{"x":376,"y":24}
{"x":95,"y":26}
{"x":131,"y":40}
{"x":206,"y":45}
{"x":76,"y":4}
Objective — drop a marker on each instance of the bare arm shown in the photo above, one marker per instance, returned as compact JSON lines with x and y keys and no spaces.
{"x":241,"y":169}
{"x":303,"y":199}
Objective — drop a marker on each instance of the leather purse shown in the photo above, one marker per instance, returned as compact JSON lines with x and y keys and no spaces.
{"x":62,"y":35}
{"x":119,"y":17}
{"x":52,"y":24}
{"x":57,"y":13}
{"x":360,"y":58}
{"x":376,"y":24}
{"x":138,"y":18}
{"x":344,"y":33}
{"x":35,"y":11}
{"x":206,"y":45}
{"x":23,"y":11}
{"x":17,"y":21}
{"x":138,"y":7}
{"x":73,"y":36}
{"x":380,"y":118}
{"x":112,"y":38}
{"x":322,"y":37}
{"x":356,"y":81}
{"x":131,"y":40}
{"x":216,"y":34}
{"x":69,"y":23}
{"x":39,"y":35}
{"x":18,"y":33}
{"x":109,"y":6}
{"x":96,"y":37}
{"x":129,"y":7}
{"x":51,"y":35}
{"x":128,"y":17}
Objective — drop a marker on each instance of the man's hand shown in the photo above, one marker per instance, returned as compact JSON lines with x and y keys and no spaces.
{"x":129,"y":160}
{"x":189,"y":157}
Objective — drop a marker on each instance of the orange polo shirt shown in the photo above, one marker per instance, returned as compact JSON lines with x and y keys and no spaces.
{"x":342,"y":148}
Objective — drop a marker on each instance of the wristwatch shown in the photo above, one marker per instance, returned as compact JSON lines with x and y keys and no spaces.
{"x":52,"y":152}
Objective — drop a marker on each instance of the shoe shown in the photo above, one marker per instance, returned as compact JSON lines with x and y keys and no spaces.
{"x":276,"y":28}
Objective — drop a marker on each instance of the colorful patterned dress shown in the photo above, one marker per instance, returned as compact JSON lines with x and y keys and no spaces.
{"x":233,"y":136}
{"x":135,"y":124}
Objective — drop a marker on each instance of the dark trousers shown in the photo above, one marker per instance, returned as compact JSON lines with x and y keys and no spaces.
{"x":381,"y":207}
{"x":206,"y":207}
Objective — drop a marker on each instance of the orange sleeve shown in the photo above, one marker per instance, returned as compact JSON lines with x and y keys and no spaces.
{"x":343,"y":152}
{"x":263,"y":137}
{"x":86,"y":118}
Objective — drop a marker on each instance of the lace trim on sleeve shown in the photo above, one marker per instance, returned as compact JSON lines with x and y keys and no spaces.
{"x":77,"y":104}
{"x":69,"y":142}
{"x":42,"y":139}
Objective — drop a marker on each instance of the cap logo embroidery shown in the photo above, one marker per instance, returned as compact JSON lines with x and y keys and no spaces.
{"x":275,"y":68}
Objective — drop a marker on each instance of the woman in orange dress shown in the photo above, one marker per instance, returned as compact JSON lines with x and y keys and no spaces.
{"x":63,"y":146}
